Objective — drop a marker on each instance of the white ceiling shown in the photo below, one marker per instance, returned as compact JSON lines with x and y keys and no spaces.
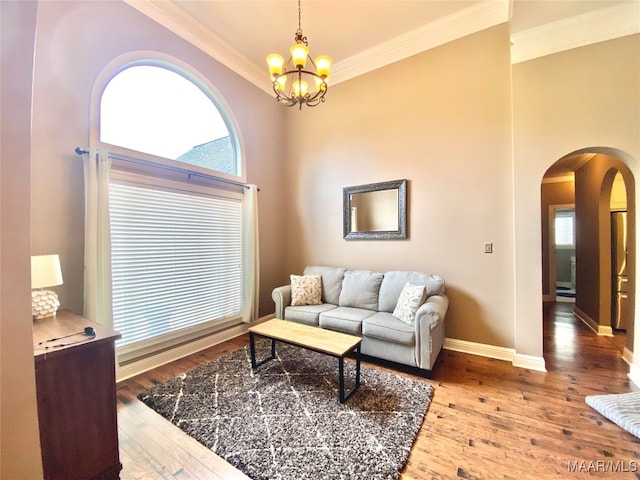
{"x":529,"y":14}
{"x":362,"y":35}
{"x":337,"y":28}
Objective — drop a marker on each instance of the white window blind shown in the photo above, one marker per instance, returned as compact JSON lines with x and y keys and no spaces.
{"x":176,"y":260}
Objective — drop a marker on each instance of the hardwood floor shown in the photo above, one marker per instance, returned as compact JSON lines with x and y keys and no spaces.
{"x":487,"y":419}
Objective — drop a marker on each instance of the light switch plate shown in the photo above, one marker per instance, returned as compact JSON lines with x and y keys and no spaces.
{"x":488,"y":247}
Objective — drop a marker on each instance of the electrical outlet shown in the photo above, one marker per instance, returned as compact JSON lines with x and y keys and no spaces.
{"x":488,"y":247}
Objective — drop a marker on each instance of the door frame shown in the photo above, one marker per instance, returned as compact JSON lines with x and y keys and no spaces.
{"x":551,"y":297}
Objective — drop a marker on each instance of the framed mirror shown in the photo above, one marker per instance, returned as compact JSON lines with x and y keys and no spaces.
{"x":377,"y":211}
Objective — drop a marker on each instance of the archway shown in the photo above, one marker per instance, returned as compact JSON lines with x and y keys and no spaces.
{"x":586,"y":178}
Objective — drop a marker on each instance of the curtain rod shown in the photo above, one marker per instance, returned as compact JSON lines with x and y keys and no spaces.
{"x":82,"y":151}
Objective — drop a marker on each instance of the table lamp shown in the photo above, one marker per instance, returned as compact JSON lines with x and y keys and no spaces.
{"x":45,"y":272}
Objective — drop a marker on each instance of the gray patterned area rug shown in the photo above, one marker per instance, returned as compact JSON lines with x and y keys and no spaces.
{"x":284,"y":420}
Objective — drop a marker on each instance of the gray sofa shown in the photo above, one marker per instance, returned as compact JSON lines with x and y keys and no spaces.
{"x":362,"y":303}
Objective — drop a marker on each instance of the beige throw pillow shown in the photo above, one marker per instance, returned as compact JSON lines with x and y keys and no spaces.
{"x":306,"y":289}
{"x":408,"y":303}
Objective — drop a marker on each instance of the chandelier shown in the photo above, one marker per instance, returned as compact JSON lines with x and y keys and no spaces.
{"x":291,"y":81}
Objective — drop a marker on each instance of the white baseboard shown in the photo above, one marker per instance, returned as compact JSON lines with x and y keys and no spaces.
{"x":529,"y":362}
{"x":602,"y":330}
{"x":634,"y":375}
{"x":634,"y":370}
{"x":565,"y":300}
{"x":148,"y":363}
{"x":586,"y":319}
{"x":481,"y":349}
{"x":627,"y":356}
{"x":499,"y":353}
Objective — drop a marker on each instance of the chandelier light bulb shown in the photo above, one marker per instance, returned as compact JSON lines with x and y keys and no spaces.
{"x":321,"y":84}
{"x":280,"y":83}
{"x":301,"y":88}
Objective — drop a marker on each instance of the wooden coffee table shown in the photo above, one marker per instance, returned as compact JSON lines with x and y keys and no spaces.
{"x":317,"y":339}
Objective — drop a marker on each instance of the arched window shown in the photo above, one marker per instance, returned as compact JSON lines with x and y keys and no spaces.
{"x":157,"y":111}
{"x":176,"y":237}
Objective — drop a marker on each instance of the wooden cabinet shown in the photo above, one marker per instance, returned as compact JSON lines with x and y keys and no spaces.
{"x":76,"y":390}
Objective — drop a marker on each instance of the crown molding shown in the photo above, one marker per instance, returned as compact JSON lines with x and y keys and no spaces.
{"x":592,"y":27}
{"x":190,"y":29}
{"x":452,"y":27}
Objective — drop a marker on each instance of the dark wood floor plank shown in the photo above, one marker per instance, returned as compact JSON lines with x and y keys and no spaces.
{"x":487,"y":419}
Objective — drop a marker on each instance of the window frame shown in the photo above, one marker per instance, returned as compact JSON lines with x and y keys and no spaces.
{"x":175,"y":65}
{"x":133,"y":165}
{"x":566,"y":213}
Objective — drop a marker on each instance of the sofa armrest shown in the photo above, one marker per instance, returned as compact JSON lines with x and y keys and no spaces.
{"x":430,"y":330}
{"x":432,"y":312}
{"x":282,"y":298}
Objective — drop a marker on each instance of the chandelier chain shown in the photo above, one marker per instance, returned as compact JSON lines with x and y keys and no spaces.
{"x":299,"y":37}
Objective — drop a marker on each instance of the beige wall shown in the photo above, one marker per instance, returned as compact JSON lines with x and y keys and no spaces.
{"x":72,"y":51}
{"x":594,"y":182}
{"x":579,"y":99}
{"x":442,"y":120}
{"x":19,"y":435}
{"x":552,"y":193}
{"x":448,"y":132}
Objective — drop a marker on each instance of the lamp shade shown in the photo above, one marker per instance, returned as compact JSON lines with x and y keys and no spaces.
{"x":323,"y":63}
{"x":45,"y":271}
{"x":275,"y":62}
{"x":299,"y":54}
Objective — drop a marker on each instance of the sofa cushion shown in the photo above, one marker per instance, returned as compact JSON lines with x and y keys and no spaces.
{"x":331,"y":282}
{"x":394,"y":282}
{"x":384,"y":326}
{"x":360,"y":289}
{"x":344,"y":319}
{"x":308,"y":314}
{"x":410,"y":300}
{"x":306,"y":289}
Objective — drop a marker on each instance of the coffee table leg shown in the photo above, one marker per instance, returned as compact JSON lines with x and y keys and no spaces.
{"x":252,"y":348}
{"x":342,"y":396}
{"x":358,"y":366}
